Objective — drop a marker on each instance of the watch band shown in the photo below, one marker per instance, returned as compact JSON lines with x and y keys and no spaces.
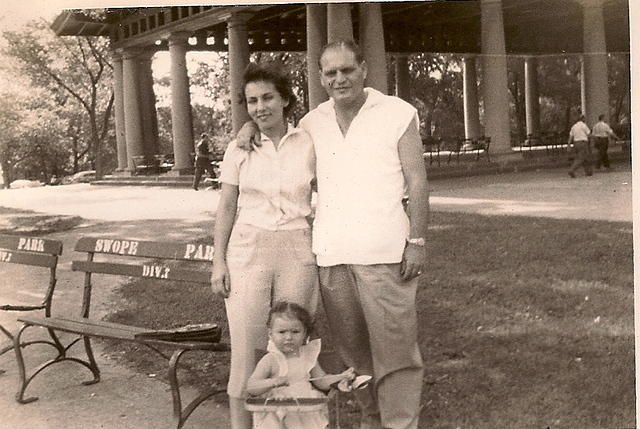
{"x":420,"y":241}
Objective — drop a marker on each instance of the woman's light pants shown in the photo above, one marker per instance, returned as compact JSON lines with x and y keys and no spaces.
{"x":265,"y":267}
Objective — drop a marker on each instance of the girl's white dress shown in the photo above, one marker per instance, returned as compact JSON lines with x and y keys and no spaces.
{"x":297,"y":370}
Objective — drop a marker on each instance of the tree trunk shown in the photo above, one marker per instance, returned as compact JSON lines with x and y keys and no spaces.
{"x":6,"y":173}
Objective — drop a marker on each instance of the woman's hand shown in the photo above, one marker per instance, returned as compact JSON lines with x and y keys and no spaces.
{"x":220,"y":281}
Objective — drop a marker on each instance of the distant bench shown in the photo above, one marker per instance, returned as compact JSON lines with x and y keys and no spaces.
{"x":435,"y":148}
{"x":30,"y":252}
{"x":188,"y":262}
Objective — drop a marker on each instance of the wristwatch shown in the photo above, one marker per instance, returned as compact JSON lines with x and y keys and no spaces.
{"x":420,"y":241}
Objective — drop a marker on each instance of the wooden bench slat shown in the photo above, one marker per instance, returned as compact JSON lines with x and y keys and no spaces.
{"x":27,"y":258}
{"x":147,"y":270}
{"x":83,"y":327}
{"x":109,"y":330}
{"x":30,"y":244}
{"x":146,"y":249}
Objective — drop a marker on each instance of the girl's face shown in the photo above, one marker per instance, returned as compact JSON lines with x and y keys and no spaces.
{"x":265,"y":104}
{"x":287,"y":334}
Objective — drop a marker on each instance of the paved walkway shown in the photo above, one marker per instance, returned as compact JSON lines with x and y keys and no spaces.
{"x":552,"y":193}
{"x":128,"y":400}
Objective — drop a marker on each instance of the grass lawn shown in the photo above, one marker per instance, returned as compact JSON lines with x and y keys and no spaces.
{"x":525,"y":323}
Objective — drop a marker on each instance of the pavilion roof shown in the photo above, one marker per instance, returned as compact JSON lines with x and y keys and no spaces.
{"x":531,"y":26}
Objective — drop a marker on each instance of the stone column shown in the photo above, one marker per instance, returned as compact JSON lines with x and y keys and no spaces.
{"x":531,"y":96}
{"x":495,"y":86}
{"x":148,"y":102}
{"x":118,"y":105}
{"x":133,"y":118}
{"x":470,"y":96}
{"x":403,"y":79}
{"x":182,"y":129}
{"x":339,"y":24}
{"x":238,"y":60}
{"x":372,"y":43}
{"x":316,"y":39}
{"x":595,"y":86}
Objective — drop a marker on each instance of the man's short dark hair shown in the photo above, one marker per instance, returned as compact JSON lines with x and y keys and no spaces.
{"x":273,"y":74}
{"x":349,"y":45}
{"x":601,"y":117}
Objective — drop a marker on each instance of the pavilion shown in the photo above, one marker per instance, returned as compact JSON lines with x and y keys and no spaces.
{"x":485,"y":31}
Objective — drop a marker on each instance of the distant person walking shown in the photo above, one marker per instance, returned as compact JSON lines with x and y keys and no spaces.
{"x":601,"y":133}
{"x":203,"y":160}
{"x":579,"y":136}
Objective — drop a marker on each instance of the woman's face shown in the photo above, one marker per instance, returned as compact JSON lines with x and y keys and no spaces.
{"x":265,"y":104}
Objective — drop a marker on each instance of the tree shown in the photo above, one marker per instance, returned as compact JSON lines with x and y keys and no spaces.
{"x":9,"y":126}
{"x":73,"y":71}
{"x":436,"y":91}
{"x":32,"y":142}
{"x":559,"y":86}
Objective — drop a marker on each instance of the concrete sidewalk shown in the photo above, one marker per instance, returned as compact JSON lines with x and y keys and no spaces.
{"x":128,"y":400}
{"x":551,"y":193}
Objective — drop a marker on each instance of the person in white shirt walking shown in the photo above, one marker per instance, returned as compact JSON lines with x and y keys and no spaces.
{"x":601,"y":134}
{"x":579,"y":136}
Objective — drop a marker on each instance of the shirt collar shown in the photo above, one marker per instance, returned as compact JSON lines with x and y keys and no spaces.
{"x":374,"y":97}
{"x":291,"y":130}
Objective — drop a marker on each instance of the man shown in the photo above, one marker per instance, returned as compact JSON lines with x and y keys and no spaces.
{"x":370,"y":254}
{"x":203,"y":160}
{"x":579,"y":136}
{"x":601,"y":133}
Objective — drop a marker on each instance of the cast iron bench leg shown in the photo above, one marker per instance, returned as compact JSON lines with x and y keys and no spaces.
{"x":25,"y":381}
{"x":55,"y":343}
{"x":181,"y":415}
{"x":93,"y":366}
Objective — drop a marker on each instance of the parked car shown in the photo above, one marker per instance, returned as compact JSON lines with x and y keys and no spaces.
{"x":23,"y":183}
{"x":81,"y":177}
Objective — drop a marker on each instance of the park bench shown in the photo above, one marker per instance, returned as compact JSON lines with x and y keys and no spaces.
{"x":158,"y":261}
{"x":431,"y":148}
{"x":31,"y":252}
{"x":551,"y":142}
{"x":144,"y":166}
{"x":473,"y":146}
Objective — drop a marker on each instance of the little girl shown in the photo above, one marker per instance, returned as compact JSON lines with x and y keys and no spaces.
{"x":290,"y":370}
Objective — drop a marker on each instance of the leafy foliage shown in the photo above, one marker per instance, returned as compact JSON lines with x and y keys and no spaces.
{"x":74,"y":75}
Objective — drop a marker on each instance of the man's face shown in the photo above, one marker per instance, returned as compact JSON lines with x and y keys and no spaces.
{"x":341,"y":75}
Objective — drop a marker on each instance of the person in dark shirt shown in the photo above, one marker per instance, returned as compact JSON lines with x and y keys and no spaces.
{"x":203,"y":160}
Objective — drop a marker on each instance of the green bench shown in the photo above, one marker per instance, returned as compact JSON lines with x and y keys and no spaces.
{"x":160,"y":261}
{"x":32,"y":252}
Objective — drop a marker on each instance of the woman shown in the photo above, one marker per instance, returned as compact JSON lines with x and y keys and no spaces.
{"x":262,"y":237}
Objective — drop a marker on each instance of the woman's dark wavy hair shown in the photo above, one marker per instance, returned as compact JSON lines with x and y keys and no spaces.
{"x":293,"y":311}
{"x":273,"y":74}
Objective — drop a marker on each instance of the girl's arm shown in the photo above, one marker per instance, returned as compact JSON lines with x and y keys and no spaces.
{"x":225,"y":216}
{"x":325,"y":380}
{"x":261,"y":381}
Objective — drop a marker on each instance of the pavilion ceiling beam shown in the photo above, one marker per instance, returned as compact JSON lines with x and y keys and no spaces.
{"x":190,"y":23}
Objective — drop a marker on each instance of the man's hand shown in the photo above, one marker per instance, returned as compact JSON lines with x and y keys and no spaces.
{"x":248,"y":136}
{"x":413,"y":261}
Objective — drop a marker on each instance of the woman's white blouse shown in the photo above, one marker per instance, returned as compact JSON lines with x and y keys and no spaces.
{"x":274,"y":185}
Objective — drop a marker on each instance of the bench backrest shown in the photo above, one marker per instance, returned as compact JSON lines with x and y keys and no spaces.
{"x":150,"y":259}
{"x":33,"y":251}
